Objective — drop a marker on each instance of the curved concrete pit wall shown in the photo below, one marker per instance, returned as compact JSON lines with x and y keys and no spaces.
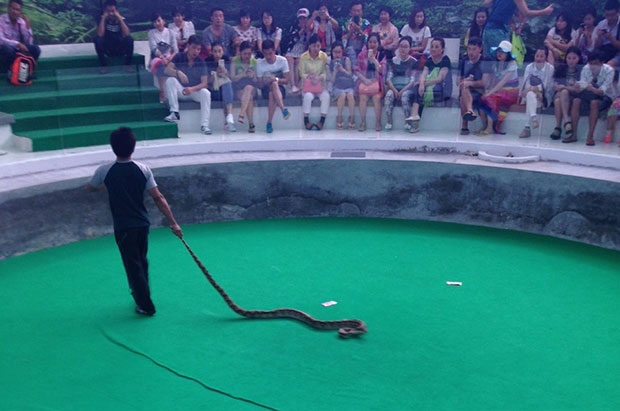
{"x":580,"y":209}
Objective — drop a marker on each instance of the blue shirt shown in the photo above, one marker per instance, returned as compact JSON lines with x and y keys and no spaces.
{"x":502,"y":12}
{"x":193,"y":72}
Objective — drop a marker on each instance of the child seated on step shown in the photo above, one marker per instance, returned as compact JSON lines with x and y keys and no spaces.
{"x":537,"y":88}
{"x":612,"y":117}
{"x":163,"y":45}
{"x":220,"y":85}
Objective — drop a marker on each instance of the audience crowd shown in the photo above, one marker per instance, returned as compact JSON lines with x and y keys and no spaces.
{"x":574,"y":69}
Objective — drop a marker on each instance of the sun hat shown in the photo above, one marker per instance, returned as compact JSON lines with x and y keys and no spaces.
{"x":505,"y":46}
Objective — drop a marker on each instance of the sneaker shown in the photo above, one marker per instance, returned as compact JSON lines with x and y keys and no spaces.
{"x":525,"y":133}
{"x":294,"y":89}
{"x":146,"y":313}
{"x":413,"y":117}
{"x":173,"y":117}
{"x":230,"y":128}
{"x":407,"y":126}
{"x":286,"y":114}
{"x":269,"y":128}
{"x":388,"y":126}
{"x":415,"y":127}
{"x":205,"y":130}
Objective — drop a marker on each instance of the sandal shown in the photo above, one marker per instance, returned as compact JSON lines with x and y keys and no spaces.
{"x":251,"y":128}
{"x":567,"y":131}
{"x":351,"y":124}
{"x":569,"y":139}
{"x":556,"y":134}
{"x":317,"y":127}
{"x":362,"y":126}
{"x":469,"y":116}
{"x":590,"y":142}
{"x":464,"y":131}
{"x":241,"y":118}
{"x":609,"y":137}
{"x":378,"y":126}
{"x":482,"y":132}
{"x":339,"y":123}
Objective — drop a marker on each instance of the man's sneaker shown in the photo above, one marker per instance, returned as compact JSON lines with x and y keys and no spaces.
{"x":230,"y":128}
{"x":173,"y":117}
{"x":525,"y":133}
{"x":388,"y":126}
{"x":286,"y":114}
{"x":145,"y":312}
{"x":269,"y":128}
{"x":205,"y":130}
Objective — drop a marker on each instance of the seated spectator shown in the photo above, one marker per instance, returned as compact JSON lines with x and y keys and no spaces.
{"x":219,"y":32}
{"x":220,"y":84}
{"x":243,"y":75}
{"x":312,"y":72}
{"x":245,"y":30}
{"x":297,"y":44}
{"x":387,"y":31}
{"x":273,"y":74}
{"x":188,"y":80}
{"x":325,"y":26}
{"x":537,"y":88}
{"x":473,"y":77}
{"x":369,"y":68}
{"x":606,"y":35}
{"x":15,"y":36}
{"x":476,"y":28}
{"x":612,"y":117}
{"x":419,"y":32}
{"x":585,"y":38}
{"x":400,"y":82}
{"x":163,"y":45}
{"x":565,"y":86}
{"x":180,"y":28}
{"x":341,"y":77}
{"x":113,"y":37}
{"x":435,"y":82}
{"x":497,"y":100}
{"x":595,"y":88}
{"x":269,"y":31}
{"x":500,"y":17}
{"x":559,"y":38}
{"x":355,"y":31}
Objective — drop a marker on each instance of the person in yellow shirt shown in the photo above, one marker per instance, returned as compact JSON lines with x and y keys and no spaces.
{"x":313,"y":72}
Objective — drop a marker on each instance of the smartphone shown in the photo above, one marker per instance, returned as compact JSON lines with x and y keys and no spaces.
{"x":221,"y":63}
{"x":371,"y":53}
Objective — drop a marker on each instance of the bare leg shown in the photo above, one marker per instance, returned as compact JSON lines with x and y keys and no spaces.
{"x":351,"y":100}
{"x":246,"y":95}
{"x":272,"y":107}
{"x":291,"y":64}
{"x":377,"y":102}
{"x":593,"y":118}
{"x":363,"y":106}
{"x":250,"y":109}
{"x":557,"y":110}
{"x":575,"y":115}
{"x":277,"y":95}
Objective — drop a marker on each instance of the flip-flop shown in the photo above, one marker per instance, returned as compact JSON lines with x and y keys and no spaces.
{"x":556,"y":134}
{"x":566,"y":130}
{"x":590,"y":142}
{"x":464,"y":131}
{"x":569,"y":139}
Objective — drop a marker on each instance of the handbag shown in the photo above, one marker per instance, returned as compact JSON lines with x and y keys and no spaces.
{"x":310,"y":87}
{"x":370,"y":89}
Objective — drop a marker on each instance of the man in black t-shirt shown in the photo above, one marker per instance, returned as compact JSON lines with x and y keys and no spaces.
{"x":126,"y":181}
{"x":472,"y":79}
{"x":113,"y":37}
{"x":188,"y":80}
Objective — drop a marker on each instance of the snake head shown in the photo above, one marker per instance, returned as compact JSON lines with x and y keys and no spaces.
{"x":352,"y":332}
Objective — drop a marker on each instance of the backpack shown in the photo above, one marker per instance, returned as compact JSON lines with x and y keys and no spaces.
{"x":21,"y":70}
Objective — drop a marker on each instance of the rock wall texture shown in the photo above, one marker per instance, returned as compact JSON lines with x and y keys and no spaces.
{"x":562,"y":206}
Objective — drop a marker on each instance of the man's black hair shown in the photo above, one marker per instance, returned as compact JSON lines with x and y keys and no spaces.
{"x":123,"y":142}
{"x":612,"y":5}
{"x":475,"y":41}
{"x":110,"y":3}
{"x":194,"y":39}
{"x":268,"y":45}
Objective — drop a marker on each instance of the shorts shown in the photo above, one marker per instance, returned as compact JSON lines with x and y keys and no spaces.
{"x":338,"y":91}
{"x":265,"y":91}
{"x":588,"y":96}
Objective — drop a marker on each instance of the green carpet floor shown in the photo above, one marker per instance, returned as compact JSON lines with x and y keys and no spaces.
{"x":69,"y":92}
{"x":535,"y":324}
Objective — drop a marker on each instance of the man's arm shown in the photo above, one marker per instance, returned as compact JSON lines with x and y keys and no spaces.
{"x":124,"y":27}
{"x":522,"y":7}
{"x":92,"y":189}
{"x":164,"y":208}
{"x":101,"y":26}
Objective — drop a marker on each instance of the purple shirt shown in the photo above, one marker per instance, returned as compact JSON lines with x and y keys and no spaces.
{"x":11,"y":35}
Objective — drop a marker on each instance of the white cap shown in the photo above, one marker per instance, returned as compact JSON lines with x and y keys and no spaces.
{"x":303,"y":12}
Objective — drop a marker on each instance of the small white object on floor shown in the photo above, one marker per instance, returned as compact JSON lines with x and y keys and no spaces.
{"x":328,"y":303}
{"x":457,"y":283}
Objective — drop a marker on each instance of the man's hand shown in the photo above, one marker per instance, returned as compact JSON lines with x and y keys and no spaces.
{"x":22,"y":47}
{"x":421,"y":89}
{"x":182,"y":77}
{"x":187,"y":91}
{"x":27,"y":20}
{"x":176,"y":230}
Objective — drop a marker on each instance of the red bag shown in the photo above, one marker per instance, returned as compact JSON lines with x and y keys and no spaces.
{"x":21,"y":70}
{"x":310,"y":87}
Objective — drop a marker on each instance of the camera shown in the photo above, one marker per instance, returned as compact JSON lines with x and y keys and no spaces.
{"x":357,"y":20}
{"x":582,"y":26}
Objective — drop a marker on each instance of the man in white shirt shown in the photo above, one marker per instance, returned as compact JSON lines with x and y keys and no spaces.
{"x":273,"y":73}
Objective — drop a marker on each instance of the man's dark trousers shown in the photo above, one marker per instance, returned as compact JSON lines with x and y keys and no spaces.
{"x":107,"y":47}
{"x":133,"y":245}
